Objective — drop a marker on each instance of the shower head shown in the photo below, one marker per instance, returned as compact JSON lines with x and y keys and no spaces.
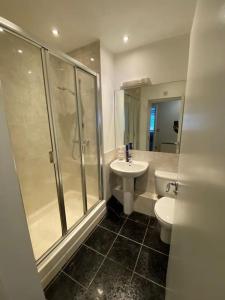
{"x":62,"y":88}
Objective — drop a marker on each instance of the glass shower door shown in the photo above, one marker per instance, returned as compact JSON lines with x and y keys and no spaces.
{"x":23,"y":89}
{"x":86,"y":90}
{"x":64,"y":105}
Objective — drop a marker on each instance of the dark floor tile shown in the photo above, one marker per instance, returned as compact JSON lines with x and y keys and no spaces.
{"x":142,"y":289}
{"x":152,"y":265}
{"x":134,"y":230}
{"x":125,"y":252}
{"x":153,"y":222}
{"x":152,"y":239}
{"x":112,"y":221}
{"x":110,"y":283}
{"x":115,"y":206}
{"x":101,"y":240}
{"x":138,"y":217}
{"x":84,"y":265}
{"x":64,"y":288}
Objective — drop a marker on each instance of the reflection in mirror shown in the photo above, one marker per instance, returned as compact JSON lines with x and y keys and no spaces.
{"x":150,"y":117}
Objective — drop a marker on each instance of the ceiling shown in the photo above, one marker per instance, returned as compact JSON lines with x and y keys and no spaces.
{"x":83,"y":21}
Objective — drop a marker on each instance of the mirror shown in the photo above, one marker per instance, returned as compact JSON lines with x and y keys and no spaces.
{"x":150,"y":116}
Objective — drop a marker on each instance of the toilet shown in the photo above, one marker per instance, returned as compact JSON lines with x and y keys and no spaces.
{"x":164,"y":207}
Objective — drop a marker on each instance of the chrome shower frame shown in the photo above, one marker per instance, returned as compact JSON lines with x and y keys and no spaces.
{"x":45,"y":52}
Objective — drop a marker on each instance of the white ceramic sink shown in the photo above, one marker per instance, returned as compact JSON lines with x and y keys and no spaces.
{"x":133,"y":169}
{"x":128,"y":171}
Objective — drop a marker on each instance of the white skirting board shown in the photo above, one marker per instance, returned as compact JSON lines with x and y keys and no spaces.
{"x":52,"y":264}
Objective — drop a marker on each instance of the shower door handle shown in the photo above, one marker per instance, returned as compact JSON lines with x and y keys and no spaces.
{"x":51,"y":157}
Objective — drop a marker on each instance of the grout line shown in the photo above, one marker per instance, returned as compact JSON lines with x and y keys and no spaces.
{"x":155,"y":250}
{"x":139,"y":222}
{"x":126,"y":237}
{"x":96,"y":251}
{"x":134,"y":240}
{"x":52,"y":281}
{"x":107,"y":229}
{"x":101,"y":263}
{"x":74,"y":280}
{"x":142,"y":276}
{"x":140,"y":251}
{"x":119,"y":263}
{"x":106,"y":255}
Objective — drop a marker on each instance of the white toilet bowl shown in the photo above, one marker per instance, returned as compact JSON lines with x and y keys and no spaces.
{"x":164,"y":211}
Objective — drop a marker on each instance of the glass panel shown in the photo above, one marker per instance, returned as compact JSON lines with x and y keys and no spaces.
{"x":25,"y":104}
{"x":87,"y":94}
{"x":67,"y":132}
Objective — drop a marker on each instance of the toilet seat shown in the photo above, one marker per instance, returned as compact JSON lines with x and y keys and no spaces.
{"x":164,"y":210}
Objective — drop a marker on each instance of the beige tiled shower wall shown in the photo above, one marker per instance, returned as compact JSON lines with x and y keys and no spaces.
{"x":25,"y":105}
{"x":86,"y":54}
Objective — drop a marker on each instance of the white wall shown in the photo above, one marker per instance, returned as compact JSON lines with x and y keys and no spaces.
{"x":197,"y":259}
{"x":107,"y":83}
{"x":163,"y":61}
{"x":18,"y":273}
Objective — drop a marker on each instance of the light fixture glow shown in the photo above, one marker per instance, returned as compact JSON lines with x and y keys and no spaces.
{"x":125,"y":39}
{"x":29,"y":72}
{"x":1,"y":29}
{"x":55,"y":32}
{"x":92,"y":59}
{"x":20,"y":51}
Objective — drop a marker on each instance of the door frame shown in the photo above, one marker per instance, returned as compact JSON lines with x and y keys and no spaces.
{"x":166,"y":99}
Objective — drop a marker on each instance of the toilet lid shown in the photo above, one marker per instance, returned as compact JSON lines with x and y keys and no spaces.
{"x":164,"y":209}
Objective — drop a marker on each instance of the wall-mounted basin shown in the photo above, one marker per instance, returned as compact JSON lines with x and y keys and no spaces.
{"x":133,"y":169}
{"x":128,"y":171}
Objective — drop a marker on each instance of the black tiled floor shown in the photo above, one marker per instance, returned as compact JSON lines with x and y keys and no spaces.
{"x":152,"y":240}
{"x":142,"y":289}
{"x":153,"y":222}
{"x":110,"y":282}
{"x":125,"y":252}
{"x":84,"y":265}
{"x":134,"y":230}
{"x":152,"y":265}
{"x":101,"y":240}
{"x":114,"y":205}
{"x":122,"y":271}
{"x":112,"y":221}
{"x":139,"y":217}
{"x":64,"y":288}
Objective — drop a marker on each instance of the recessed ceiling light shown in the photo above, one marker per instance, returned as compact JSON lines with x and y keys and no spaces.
{"x":1,"y":29}
{"x":20,"y":51}
{"x":125,"y":39}
{"x":92,"y":59}
{"x":55,"y":32}
{"x":29,"y":72}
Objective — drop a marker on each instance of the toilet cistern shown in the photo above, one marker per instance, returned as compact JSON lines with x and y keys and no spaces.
{"x":128,"y":171}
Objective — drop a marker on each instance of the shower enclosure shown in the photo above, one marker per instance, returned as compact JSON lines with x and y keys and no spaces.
{"x":53,"y":115}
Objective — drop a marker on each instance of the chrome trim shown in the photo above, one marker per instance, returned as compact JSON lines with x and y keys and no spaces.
{"x":44,"y":255}
{"x":50,"y":110}
{"x":99,"y":135}
{"x":98,"y":116}
{"x":45,"y":51}
{"x":81,"y":137}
